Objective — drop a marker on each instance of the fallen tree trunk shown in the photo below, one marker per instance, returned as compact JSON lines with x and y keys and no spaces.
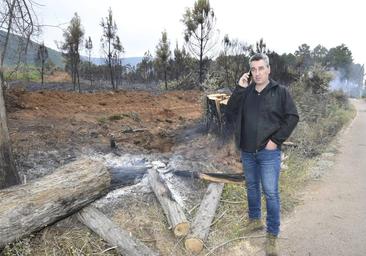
{"x":232,"y":178}
{"x":31,"y":207}
{"x":202,"y":222}
{"x":111,"y":233}
{"x":174,"y":213}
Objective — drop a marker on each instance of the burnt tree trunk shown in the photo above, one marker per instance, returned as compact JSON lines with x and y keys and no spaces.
{"x":202,"y":222}
{"x":8,"y":173}
{"x":113,"y":234}
{"x":30,"y":207}
{"x":215,"y":108}
{"x":174,"y":213}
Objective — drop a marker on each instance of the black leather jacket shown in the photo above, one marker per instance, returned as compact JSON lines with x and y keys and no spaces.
{"x":278,"y":114}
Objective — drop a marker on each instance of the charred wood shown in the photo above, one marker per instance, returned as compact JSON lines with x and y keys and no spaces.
{"x":232,"y":178}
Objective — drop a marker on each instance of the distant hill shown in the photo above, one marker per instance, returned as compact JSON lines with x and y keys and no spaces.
{"x":15,"y":41}
{"x":12,"y":55}
{"x":133,"y":61}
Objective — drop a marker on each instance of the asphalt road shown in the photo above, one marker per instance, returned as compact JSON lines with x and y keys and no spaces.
{"x":332,"y":218}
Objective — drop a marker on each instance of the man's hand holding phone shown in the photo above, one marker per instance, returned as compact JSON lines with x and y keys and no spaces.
{"x":245,"y":79}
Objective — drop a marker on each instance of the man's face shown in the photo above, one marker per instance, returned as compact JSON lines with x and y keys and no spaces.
{"x":260,"y":72}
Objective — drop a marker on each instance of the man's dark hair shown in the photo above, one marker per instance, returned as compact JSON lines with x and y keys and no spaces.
{"x":259,"y":56}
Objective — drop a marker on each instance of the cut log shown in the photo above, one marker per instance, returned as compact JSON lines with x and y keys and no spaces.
{"x":232,"y":178}
{"x":202,"y":222}
{"x":174,"y":213}
{"x":30,"y":207}
{"x":113,"y":234}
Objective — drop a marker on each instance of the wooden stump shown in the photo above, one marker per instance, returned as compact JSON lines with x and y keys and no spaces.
{"x":31,"y":207}
{"x":174,"y":213}
{"x":202,"y":222}
{"x":215,"y":108}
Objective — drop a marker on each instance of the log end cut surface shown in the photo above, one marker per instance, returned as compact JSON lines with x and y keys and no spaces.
{"x":181,"y":229}
{"x":194,"y":245}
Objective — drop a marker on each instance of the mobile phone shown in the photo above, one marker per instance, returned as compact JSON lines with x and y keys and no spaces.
{"x":250,"y":77}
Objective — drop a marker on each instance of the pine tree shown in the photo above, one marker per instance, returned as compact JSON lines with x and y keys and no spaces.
{"x":200,"y":23}
{"x":111,"y":44}
{"x":73,"y":36}
{"x":162,"y":56}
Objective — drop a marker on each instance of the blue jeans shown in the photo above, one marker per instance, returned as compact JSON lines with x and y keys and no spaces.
{"x":263,"y":168}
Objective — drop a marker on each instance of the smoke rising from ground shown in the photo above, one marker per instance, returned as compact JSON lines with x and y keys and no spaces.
{"x":339,"y":83}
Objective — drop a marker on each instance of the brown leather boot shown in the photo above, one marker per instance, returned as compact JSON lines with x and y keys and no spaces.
{"x":254,"y":225}
{"x":271,"y":245}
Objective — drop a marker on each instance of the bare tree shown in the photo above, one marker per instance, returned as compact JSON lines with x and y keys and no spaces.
{"x":145,"y":69}
{"x":232,"y":58}
{"x":261,"y":46}
{"x":117,"y":61}
{"x":89,"y":48}
{"x":16,"y":17}
{"x":41,"y":58}
{"x":182,"y":63}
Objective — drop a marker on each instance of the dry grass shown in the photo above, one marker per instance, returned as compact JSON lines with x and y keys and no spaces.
{"x":58,"y":77}
{"x":60,"y":241}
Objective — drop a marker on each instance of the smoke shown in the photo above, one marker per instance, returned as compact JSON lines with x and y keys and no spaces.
{"x":340,"y":83}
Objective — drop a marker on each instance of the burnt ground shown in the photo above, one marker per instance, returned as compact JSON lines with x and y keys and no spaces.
{"x":49,"y":128}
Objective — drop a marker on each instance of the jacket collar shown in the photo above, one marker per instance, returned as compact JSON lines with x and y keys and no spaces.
{"x":272,"y":84}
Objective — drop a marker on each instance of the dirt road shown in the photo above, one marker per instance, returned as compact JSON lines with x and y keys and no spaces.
{"x":332,"y":219}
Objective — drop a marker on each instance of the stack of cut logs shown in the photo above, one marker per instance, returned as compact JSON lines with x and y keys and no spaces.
{"x":72,"y":188}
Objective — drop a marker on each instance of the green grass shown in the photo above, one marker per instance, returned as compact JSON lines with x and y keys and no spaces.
{"x":27,"y":73}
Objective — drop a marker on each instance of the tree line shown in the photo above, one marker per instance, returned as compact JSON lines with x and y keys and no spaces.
{"x":198,"y":63}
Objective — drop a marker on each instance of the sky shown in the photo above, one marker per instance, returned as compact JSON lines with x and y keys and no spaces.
{"x":283,"y":24}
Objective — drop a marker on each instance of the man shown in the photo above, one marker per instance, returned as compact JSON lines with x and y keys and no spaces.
{"x":264,"y":115}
